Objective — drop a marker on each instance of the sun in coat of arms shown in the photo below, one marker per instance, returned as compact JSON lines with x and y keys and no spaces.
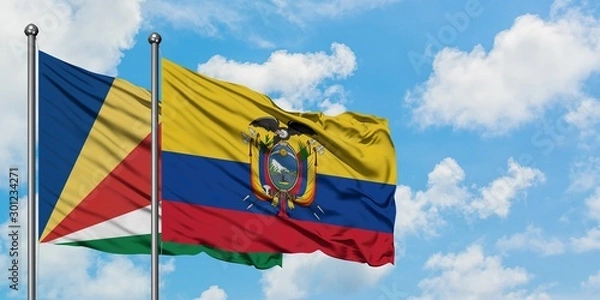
{"x":283,"y":163}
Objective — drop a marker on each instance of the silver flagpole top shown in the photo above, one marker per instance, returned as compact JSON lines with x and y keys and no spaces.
{"x":31,"y":29}
{"x":154,"y":38}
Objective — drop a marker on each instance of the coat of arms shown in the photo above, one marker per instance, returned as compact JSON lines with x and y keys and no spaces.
{"x":283,"y":164}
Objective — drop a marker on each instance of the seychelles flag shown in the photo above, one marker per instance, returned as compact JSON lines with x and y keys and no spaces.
{"x":94,"y":164}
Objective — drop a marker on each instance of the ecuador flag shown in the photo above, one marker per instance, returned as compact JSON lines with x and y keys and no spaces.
{"x":240,"y":174}
{"x":94,"y":164}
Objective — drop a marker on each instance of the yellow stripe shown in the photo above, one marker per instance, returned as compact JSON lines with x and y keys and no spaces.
{"x":122,"y":123}
{"x":206,"y":117}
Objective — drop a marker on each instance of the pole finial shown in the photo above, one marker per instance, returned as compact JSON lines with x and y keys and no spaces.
{"x":31,"y":29}
{"x":154,"y":38}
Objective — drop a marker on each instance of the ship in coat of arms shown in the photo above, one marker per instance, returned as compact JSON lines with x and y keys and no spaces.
{"x":283,"y":164}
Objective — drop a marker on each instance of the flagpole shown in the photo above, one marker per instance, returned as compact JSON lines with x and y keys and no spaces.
{"x":31,"y":32}
{"x":154,"y":39}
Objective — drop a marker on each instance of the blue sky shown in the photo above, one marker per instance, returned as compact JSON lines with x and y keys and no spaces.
{"x":493,"y":107}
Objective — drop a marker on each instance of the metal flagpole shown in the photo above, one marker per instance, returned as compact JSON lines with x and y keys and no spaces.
{"x":154,"y":39}
{"x":31,"y":32}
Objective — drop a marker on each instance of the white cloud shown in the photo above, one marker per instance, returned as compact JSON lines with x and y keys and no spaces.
{"x":496,"y":197}
{"x":443,"y":184}
{"x":533,"y":240}
{"x":588,"y":289}
{"x":593,"y":205}
{"x":79,"y":273}
{"x":91,"y":34}
{"x":473,"y":275}
{"x":213,"y":293}
{"x":589,"y":242}
{"x":524,"y":295}
{"x":592,"y":283}
{"x":333,"y":101}
{"x":84,"y":275}
{"x":585,"y":175}
{"x":331,"y":108}
{"x":297,"y":78}
{"x":416,"y":214}
{"x":585,"y":116}
{"x":515,"y":82}
{"x":168,"y":266}
{"x":559,"y":6}
{"x":421,"y":211}
{"x":309,"y":274}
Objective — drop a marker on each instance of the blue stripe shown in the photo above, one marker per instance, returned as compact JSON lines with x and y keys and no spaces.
{"x":69,"y":101}
{"x":224,"y":184}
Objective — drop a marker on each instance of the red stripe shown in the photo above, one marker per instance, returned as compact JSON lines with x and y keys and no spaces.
{"x":248,"y":232}
{"x":126,"y":188}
